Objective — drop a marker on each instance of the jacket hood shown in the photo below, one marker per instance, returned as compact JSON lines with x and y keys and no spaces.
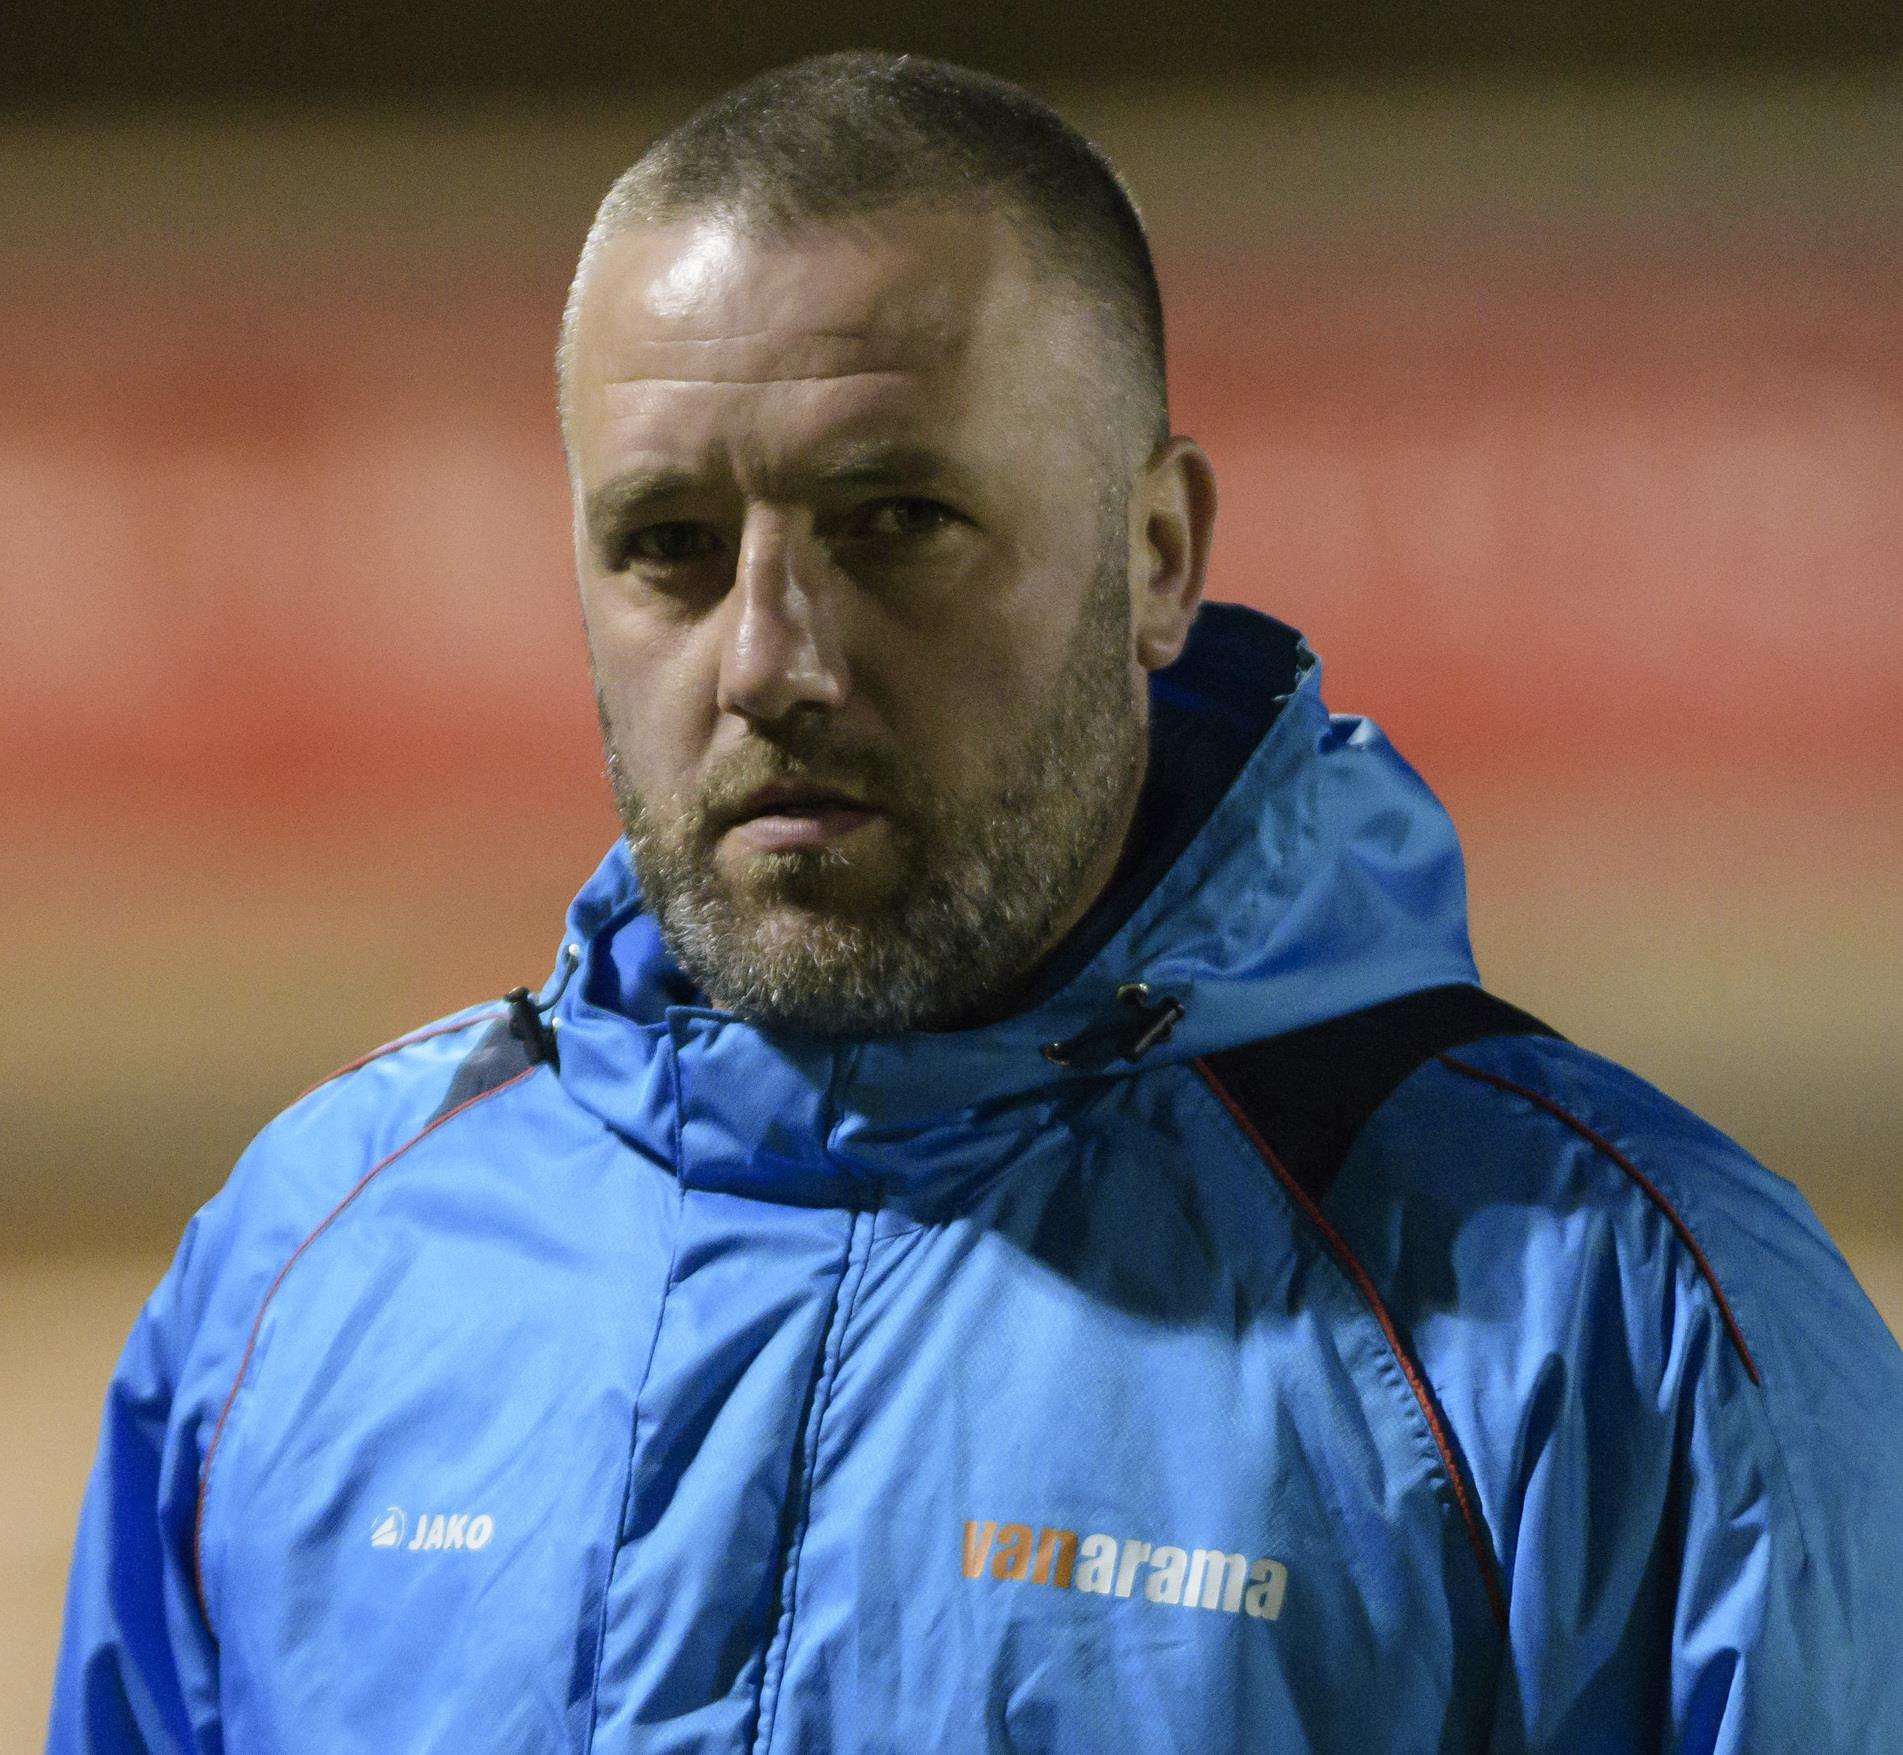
{"x":1305,"y":871}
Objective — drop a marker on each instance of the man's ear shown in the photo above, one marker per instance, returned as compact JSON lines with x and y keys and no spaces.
{"x":1172,"y":519}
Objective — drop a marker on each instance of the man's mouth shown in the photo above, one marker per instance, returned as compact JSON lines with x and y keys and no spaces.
{"x":789,"y":816}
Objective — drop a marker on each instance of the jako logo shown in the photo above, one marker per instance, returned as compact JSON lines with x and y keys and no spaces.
{"x":434,"y":1530}
{"x":1104,"y":1566}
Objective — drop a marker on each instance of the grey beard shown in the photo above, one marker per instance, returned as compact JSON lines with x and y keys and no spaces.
{"x":985,"y":877}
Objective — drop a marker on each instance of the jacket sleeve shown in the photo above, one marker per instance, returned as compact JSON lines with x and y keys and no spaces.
{"x":1712,"y":1526}
{"x":1787,"y":1624}
{"x":137,"y":1665}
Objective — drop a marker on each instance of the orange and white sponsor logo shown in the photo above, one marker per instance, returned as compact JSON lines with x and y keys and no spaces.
{"x":1117,"y":1566}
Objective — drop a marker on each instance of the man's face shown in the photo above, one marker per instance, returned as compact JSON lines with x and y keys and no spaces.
{"x":855,"y":563}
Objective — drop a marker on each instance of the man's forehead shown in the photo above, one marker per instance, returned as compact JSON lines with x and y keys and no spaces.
{"x":705,"y":301}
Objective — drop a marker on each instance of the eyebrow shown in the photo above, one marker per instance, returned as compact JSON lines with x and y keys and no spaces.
{"x":868,"y":463}
{"x":614,"y":503}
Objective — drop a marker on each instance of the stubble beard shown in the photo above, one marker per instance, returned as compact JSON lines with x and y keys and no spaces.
{"x":983,"y":878}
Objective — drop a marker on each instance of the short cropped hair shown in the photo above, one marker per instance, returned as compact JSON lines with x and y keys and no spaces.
{"x":837,"y":136}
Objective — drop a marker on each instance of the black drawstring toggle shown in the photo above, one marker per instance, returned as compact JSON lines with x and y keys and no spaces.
{"x":1145,"y":1023}
{"x":526,"y":1023}
{"x":526,"y":1026}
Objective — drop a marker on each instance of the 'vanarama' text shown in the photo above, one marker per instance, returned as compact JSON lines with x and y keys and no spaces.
{"x":1108,"y":1566}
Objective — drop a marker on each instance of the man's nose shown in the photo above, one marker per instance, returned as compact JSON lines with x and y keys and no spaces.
{"x":780,"y":650}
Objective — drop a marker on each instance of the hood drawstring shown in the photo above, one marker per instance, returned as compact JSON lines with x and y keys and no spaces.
{"x":1145,"y":1022}
{"x":526,"y":1011}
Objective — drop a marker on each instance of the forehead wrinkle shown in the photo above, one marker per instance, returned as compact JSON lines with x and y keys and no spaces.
{"x":778,"y":428}
{"x":622,"y":385}
{"x":756,"y":334}
{"x":776,"y":356}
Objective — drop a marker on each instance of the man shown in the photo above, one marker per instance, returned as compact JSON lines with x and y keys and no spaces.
{"x":1011,"y":1225}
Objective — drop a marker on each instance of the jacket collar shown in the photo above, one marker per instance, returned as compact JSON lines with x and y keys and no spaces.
{"x":1288,"y":866}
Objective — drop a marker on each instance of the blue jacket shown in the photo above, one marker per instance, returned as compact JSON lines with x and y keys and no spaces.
{"x":707,"y":1389}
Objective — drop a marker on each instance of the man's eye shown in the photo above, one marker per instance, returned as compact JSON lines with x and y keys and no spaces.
{"x":671,"y":543}
{"x":902,"y":518}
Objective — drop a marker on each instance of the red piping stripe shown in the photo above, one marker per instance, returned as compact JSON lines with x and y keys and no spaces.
{"x":1443,"y":1441}
{"x":257,"y":1322}
{"x":402,"y":1042}
{"x":1652,"y":1191}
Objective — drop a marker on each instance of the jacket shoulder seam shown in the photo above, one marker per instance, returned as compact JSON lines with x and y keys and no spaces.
{"x":444,"y":1027}
{"x":1646,"y":1185}
{"x":264,"y":1304}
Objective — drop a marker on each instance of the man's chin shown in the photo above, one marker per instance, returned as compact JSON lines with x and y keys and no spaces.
{"x":827,"y":884}
{"x":802,"y":965}
{"x":782,"y":922}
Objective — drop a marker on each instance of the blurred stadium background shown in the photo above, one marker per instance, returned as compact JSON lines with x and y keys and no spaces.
{"x":1553,"y":374}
